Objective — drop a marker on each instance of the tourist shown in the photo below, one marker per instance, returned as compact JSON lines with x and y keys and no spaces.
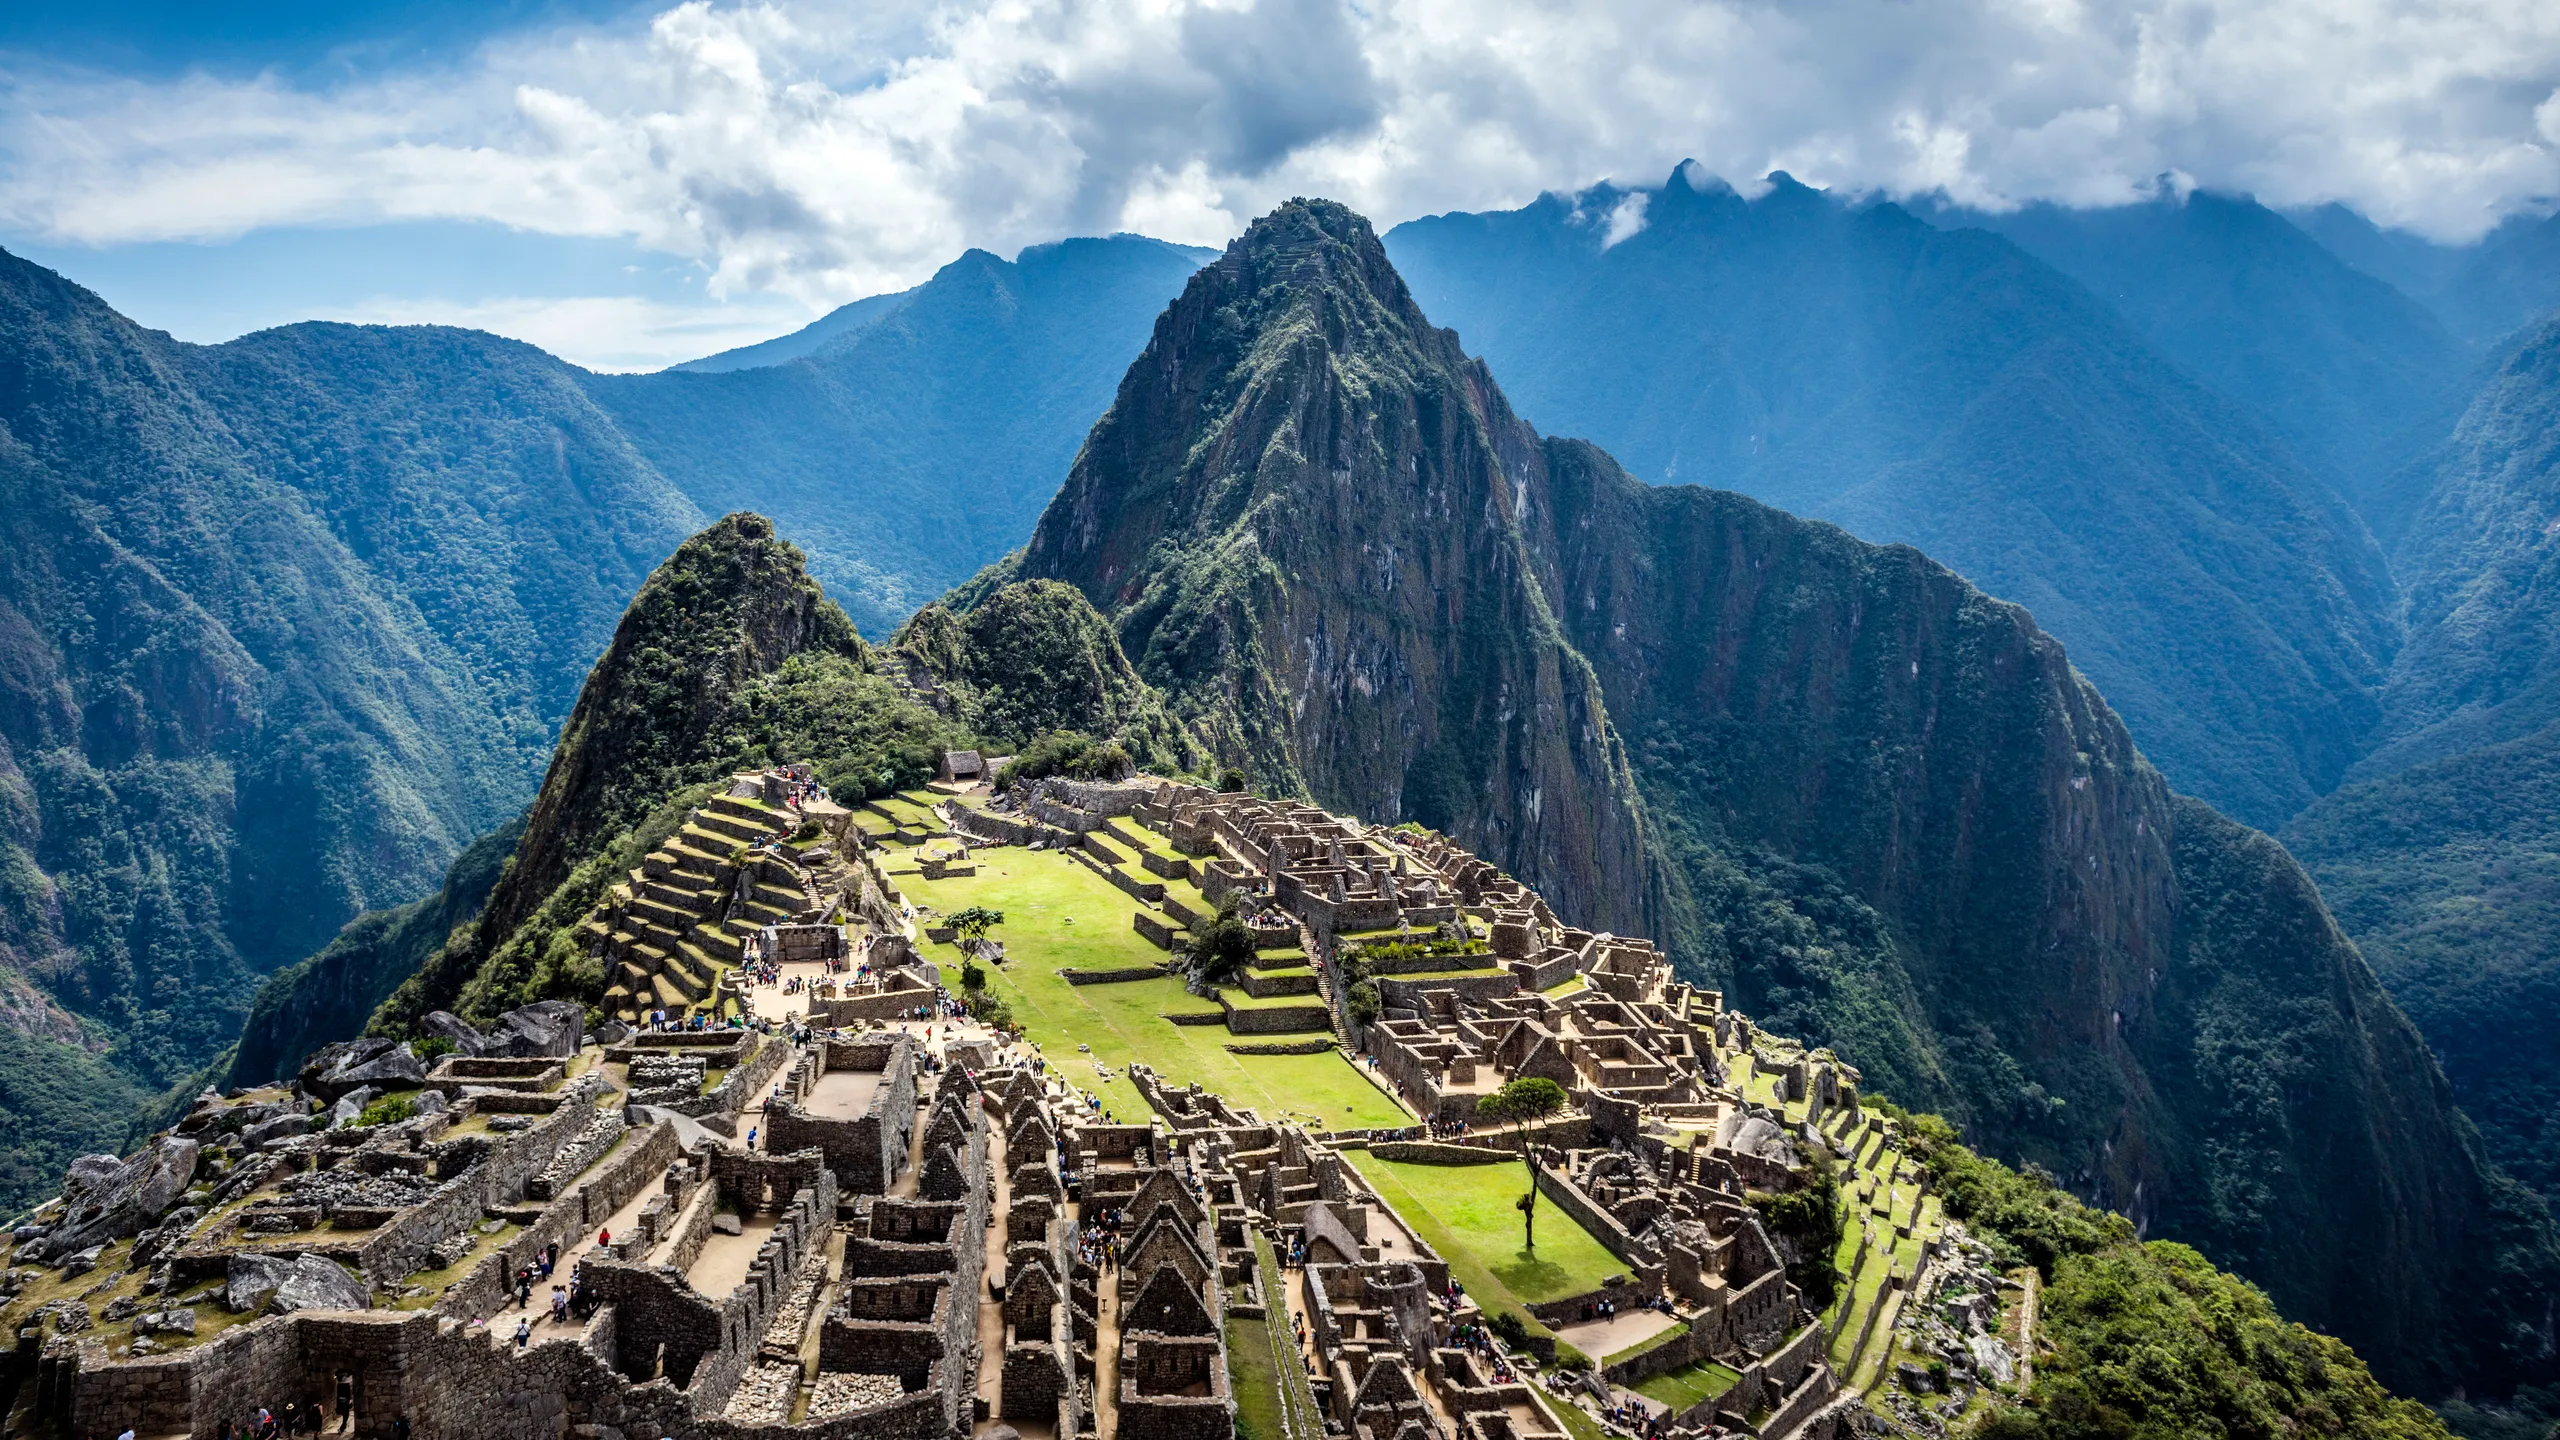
{"x":524,"y":1332}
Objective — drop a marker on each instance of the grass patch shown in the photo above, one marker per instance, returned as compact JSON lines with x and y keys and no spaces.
{"x":1686,"y":1386}
{"x":1059,"y":915}
{"x":1255,"y":1381}
{"x":1466,"y":1212}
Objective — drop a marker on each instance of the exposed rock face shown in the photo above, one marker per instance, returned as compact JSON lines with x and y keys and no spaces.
{"x":110,"y":1205}
{"x":546,"y":1028}
{"x":307,"y":1282}
{"x":375,"y":1064}
{"x":1878,"y":806}
{"x":446,"y":1025}
{"x":1306,"y":511}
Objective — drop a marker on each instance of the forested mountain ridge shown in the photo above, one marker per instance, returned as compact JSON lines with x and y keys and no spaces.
{"x":235,"y":707}
{"x":285,"y":622}
{"x":1946,"y":389}
{"x":1874,"y":804}
{"x":2442,"y":854}
{"x":2356,"y":376}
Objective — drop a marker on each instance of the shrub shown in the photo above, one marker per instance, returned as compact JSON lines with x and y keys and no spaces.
{"x":1363,"y":1002}
{"x":389,"y":1110}
{"x":431,"y":1049}
{"x":1069,"y":753}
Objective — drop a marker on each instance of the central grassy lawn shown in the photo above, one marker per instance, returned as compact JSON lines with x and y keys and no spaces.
{"x":1468,"y":1214}
{"x":1688,"y":1385}
{"x":1059,"y":914}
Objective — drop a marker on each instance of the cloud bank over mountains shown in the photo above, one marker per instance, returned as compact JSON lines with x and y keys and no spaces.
{"x":824,"y":151}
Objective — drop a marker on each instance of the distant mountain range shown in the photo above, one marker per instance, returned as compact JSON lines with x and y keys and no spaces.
{"x":286,"y":623}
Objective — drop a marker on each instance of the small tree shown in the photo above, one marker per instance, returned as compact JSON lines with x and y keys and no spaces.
{"x":1223,"y":951}
{"x":1527,"y":1101}
{"x":973,"y":977}
{"x":974,"y":922}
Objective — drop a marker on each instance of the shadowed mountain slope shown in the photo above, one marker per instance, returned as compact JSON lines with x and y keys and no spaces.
{"x":1877,"y":806}
{"x":276,"y":620}
{"x":2354,"y":375}
{"x":1945,"y":389}
{"x":2442,"y":854}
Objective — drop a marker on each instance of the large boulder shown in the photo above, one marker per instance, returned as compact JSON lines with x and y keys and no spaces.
{"x":282,"y":1127}
{"x":126,"y":1201}
{"x":349,"y":1107}
{"x":445,"y":1025}
{"x":551,"y":1029}
{"x":282,"y":1285}
{"x":334,"y":1070}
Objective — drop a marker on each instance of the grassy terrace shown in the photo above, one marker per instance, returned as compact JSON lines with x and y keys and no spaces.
{"x":1689,"y":1384}
{"x":1060,"y":914}
{"x":1466,"y":1212}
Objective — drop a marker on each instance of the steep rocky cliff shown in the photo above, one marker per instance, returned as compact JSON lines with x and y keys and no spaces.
{"x":1305,"y":512}
{"x":1876,"y":804}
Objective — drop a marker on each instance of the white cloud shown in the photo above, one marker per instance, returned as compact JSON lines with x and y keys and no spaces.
{"x":821,"y":151}
{"x":600,"y":332}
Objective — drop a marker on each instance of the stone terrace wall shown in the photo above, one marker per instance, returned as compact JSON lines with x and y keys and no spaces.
{"x":1604,"y":1227}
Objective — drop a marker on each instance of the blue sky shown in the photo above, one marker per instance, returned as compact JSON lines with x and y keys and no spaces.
{"x":632,"y":185}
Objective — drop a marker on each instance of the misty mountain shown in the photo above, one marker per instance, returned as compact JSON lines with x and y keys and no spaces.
{"x":1946,"y":389}
{"x":2353,"y":374}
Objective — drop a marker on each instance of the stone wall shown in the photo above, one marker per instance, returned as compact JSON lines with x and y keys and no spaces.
{"x":1279,"y":1019}
{"x":865,"y":1151}
{"x":1437,"y":1152}
{"x":1604,"y":1227}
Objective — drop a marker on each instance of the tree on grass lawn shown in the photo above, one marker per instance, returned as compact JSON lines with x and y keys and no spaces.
{"x":974,"y":922}
{"x":973,"y":977}
{"x":1221,"y":953}
{"x":1527,"y":1101}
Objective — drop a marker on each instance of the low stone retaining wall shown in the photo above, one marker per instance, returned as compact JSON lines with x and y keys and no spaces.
{"x":1122,"y":975}
{"x":1604,"y":1227}
{"x":1439,"y":1152}
{"x":1157,"y":933}
{"x":1279,"y":1019}
{"x":1195,"y":1017}
{"x":885,"y":1005}
{"x":1284,"y":1047}
{"x":1149,"y":892}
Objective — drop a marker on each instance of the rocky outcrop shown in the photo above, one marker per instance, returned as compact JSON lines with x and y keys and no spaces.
{"x":280,"y":1285}
{"x":368,"y":1064}
{"x":106,"y":1199}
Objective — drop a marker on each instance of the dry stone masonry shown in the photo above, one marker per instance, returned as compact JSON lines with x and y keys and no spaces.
{"x":850,"y":1229}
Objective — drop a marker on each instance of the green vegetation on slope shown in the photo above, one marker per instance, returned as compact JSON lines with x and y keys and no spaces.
{"x":279,"y":633}
{"x":2148,"y":1341}
{"x":1035,"y":657}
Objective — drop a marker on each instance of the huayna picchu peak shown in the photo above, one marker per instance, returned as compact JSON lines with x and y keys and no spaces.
{"x":1374,"y":924}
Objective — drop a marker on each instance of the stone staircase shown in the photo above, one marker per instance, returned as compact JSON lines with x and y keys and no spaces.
{"x":669,"y":933}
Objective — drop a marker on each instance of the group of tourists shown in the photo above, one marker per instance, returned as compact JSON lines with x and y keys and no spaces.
{"x":305,"y":1418}
{"x":1478,"y":1340}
